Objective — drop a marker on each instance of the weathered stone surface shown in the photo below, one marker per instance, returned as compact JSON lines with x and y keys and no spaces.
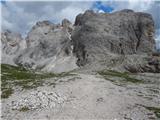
{"x":94,"y":37}
{"x":47,"y":45}
{"x":86,"y":97}
{"x":38,"y":99}
{"x":141,"y":64}
{"x":12,"y":43}
{"x":97,"y":35}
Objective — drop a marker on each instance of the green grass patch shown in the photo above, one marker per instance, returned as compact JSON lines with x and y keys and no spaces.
{"x":6,"y":92}
{"x":156,"y":110}
{"x":24,"y":109}
{"x":124,"y":75}
{"x":18,"y":73}
{"x":27,"y":79}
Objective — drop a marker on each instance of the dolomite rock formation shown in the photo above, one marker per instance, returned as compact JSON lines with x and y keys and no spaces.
{"x":67,"y":25}
{"x":11,"y":44}
{"x":125,"y":32}
{"x":48,"y":48}
{"x":94,"y":37}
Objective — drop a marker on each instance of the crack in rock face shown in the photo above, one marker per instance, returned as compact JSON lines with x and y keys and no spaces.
{"x":39,"y":99}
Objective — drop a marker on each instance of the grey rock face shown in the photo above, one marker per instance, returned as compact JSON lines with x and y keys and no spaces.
{"x":94,"y":37}
{"x":97,"y":35}
{"x":142,"y":64}
{"x":67,"y":24}
{"x":46,"y":43}
{"x":12,"y":44}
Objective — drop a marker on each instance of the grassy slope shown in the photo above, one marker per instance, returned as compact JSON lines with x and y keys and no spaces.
{"x":14,"y":75}
{"x":125,"y":76}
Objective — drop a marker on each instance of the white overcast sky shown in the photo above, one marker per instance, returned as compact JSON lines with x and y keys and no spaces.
{"x":20,"y":16}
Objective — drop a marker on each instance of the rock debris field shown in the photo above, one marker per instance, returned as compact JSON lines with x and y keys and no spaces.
{"x":84,"y":96}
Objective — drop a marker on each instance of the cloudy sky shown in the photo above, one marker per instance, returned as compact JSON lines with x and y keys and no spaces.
{"x":20,"y":16}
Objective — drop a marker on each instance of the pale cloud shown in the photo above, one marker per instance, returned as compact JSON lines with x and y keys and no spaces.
{"x":140,"y":5}
{"x":21,"y":16}
{"x":69,"y":13}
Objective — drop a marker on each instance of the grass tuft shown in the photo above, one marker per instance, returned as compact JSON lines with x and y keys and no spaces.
{"x":156,"y":110}
{"x":124,"y":75}
{"x":6,"y":92}
{"x":24,"y":109}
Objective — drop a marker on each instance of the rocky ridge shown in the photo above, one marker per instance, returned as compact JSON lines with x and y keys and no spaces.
{"x":97,"y":35}
{"x":94,"y":37}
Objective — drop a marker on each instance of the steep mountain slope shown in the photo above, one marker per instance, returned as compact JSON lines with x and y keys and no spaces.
{"x":98,"y":35}
{"x":48,"y":48}
{"x":97,"y":40}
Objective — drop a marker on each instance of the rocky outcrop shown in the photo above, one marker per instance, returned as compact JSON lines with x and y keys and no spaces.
{"x":12,"y":43}
{"x":48,"y":48}
{"x":66,"y":24}
{"x":125,"y":32}
{"x":93,"y":38}
{"x":141,"y":64}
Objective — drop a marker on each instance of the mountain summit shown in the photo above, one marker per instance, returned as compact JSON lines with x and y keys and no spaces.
{"x":94,"y":37}
{"x":122,"y":32}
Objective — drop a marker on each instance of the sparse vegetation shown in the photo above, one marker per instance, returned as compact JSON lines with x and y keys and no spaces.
{"x":156,"y":110}
{"x":123,"y":75}
{"x":27,"y":79}
{"x":6,"y":92}
{"x":24,"y":109}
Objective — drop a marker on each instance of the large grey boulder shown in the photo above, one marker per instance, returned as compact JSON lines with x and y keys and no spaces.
{"x":124,"y":32}
{"x":48,"y":49}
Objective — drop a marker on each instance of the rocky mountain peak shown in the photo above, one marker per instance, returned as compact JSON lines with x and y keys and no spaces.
{"x":81,"y":18}
{"x":66,"y":23}
{"x":93,"y":37}
{"x":127,"y":10}
{"x":44,"y":23}
{"x":47,"y":45}
{"x":123,"y":32}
